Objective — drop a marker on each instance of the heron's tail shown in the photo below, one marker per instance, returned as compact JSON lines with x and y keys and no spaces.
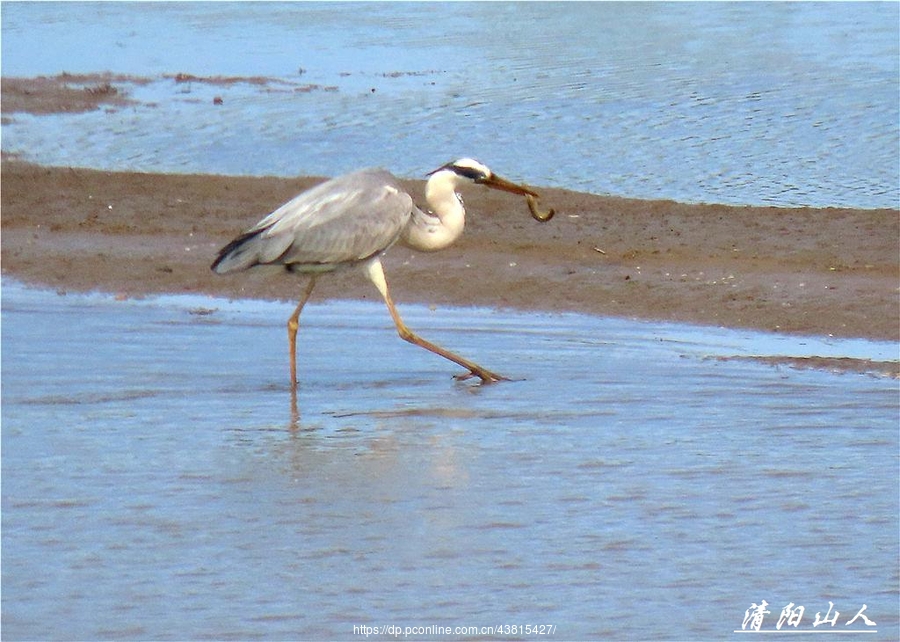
{"x":242,"y":253}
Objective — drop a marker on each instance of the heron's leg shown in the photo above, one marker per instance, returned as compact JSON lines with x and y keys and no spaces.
{"x":375,"y":272}
{"x":293,"y":324}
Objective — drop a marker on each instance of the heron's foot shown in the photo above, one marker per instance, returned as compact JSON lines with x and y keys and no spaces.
{"x":486,"y":376}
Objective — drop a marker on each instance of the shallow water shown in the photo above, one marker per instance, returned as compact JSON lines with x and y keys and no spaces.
{"x":629,"y":484}
{"x":747,"y":103}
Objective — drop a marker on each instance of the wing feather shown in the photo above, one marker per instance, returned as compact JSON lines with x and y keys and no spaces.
{"x":343,"y":220}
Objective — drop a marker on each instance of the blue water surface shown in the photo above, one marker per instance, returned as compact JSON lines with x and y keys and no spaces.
{"x":628,"y":484}
{"x":746,"y":103}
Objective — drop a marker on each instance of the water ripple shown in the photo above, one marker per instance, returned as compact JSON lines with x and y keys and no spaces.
{"x":780,"y":104}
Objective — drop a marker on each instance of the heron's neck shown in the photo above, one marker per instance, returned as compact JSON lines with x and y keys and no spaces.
{"x":435,"y":230}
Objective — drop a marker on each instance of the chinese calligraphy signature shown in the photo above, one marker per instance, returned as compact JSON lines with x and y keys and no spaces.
{"x":792,"y":615}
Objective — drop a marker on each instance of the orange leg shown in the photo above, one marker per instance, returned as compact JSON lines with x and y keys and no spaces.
{"x":375,"y":273}
{"x":293,"y":325}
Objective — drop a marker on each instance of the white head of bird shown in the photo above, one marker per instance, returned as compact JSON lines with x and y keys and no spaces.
{"x":446,"y":218}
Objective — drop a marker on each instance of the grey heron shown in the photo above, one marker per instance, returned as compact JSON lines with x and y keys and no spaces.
{"x":352,"y":220}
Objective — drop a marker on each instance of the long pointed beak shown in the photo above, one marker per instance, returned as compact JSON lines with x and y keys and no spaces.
{"x":495,"y":182}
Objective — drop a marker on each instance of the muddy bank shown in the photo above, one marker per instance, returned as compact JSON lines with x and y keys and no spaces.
{"x":76,"y":93}
{"x":814,"y":271}
{"x":64,"y":93}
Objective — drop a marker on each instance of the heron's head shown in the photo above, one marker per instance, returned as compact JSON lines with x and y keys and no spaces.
{"x":482,"y":175}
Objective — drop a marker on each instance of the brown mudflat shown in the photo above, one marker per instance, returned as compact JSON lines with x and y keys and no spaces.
{"x":815,"y":271}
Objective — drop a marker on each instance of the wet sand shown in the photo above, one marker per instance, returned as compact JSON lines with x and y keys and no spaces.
{"x":64,"y":93}
{"x":826,"y":272}
{"x":798,"y":270}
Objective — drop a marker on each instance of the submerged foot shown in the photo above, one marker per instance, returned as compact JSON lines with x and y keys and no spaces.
{"x":486,"y":376}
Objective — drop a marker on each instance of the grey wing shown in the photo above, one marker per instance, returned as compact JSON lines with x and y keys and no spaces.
{"x":343,"y":220}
